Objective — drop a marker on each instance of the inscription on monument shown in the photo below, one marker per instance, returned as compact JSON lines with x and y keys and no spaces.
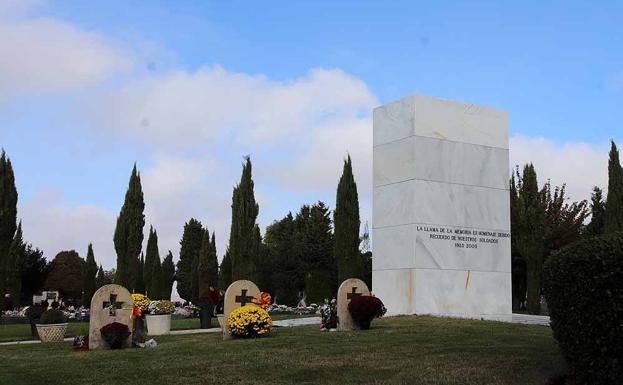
{"x":463,"y":237}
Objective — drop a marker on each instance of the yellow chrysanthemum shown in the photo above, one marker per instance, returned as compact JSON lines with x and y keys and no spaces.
{"x":249,"y":321}
{"x":141,"y":301}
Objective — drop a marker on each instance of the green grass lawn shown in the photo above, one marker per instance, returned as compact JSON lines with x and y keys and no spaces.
{"x":21,"y":332}
{"x":399,"y":350}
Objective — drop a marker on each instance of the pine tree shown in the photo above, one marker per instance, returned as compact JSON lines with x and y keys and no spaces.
{"x":167,"y":276}
{"x":100,"y":279}
{"x":317,"y":251}
{"x":152,"y":257}
{"x":284,"y":252}
{"x":598,"y":209}
{"x":16,"y":266}
{"x":8,"y":216}
{"x":613,"y":218}
{"x":346,"y":222}
{"x":128,"y":236}
{"x":89,"y":277}
{"x":243,"y":246}
{"x":530,"y":235}
{"x":189,"y":250}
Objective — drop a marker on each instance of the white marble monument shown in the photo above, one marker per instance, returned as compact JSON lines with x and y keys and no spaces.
{"x":441,"y":231}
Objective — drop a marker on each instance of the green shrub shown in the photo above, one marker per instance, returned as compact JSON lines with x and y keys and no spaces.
{"x":52,"y":316}
{"x":583,"y":286}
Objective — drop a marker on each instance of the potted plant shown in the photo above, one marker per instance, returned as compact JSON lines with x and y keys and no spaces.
{"x":364,"y":309}
{"x":52,"y":326}
{"x":115,"y":334}
{"x":158,"y":317}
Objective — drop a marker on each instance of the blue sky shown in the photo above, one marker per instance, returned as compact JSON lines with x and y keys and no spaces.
{"x":187,"y":88}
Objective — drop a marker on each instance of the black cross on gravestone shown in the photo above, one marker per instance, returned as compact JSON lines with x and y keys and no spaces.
{"x":243,"y":299}
{"x":112,"y":305}
{"x":353,"y":293}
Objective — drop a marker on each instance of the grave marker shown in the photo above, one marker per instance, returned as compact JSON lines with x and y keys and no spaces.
{"x":348,"y":290}
{"x":110,"y":303}
{"x":238,"y":294}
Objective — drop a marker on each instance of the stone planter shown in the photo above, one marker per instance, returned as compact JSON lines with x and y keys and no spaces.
{"x":158,"y":325}
{"x":221,"y":320}
{"x":51,"y":332}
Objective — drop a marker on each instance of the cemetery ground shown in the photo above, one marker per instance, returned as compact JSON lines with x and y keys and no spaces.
{"x":21,"y":332}
{"x":396,"y":350}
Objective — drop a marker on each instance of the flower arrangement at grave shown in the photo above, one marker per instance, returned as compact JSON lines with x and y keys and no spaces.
{"x":115,"y":334}
{"x":328,"y":315}
{"x":81,"y":343}
{"x":249,"y":321}
{"x":264,"y":300}
{"x":364,"y":308}
{"x":162,"y":307}
{"x":141,"y":303}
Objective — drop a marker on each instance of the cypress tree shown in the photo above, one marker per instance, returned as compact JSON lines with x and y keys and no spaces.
{"x":139,"y":282}
{"x":189,"y":250}
{"x":530,"y":235}
{"x":518,"y":264}
{"x":155,"y":290}
{"x":167,"y":276}
{"x":203,"y":266}
{"x":100,"y":279}
{"x":213,"y":271}
{"x":128,"y":236}
{"x":8,"y":216}
{"x":598,"y":209}
{"x":16,"y":266}
{"x":224,"y":273}
{"x":613,"y":219}
{"x":89,"y":277}
{"x":243,"y":241}
{"x":152,"y":257}
{"x":346,"y":222}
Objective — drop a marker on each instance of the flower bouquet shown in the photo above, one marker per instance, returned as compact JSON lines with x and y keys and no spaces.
{"x":141,"y":303}
{"x":364,"y":309}
{"x":158,"y":317}
{"x":115,"y":334}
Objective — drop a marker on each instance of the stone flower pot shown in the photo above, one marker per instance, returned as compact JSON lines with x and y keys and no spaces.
{"x":51,"y":332}
{"x":158,"y":325}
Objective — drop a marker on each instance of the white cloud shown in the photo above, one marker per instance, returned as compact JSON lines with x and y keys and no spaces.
{"x":580,"y":165}
{"x":40,"y":55}
{"x":52,"y":225}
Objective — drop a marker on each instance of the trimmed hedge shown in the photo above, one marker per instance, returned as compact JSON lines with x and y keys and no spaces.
{"x":583,"y":285}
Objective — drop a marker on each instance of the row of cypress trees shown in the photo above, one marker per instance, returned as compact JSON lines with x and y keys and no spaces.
{"x":544,"y":221}
{"x":12,"y":245}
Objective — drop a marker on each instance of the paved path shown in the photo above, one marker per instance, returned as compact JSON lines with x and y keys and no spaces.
{"x":530,"y":319}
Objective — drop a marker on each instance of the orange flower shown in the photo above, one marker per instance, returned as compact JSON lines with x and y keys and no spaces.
{"x":136,"y":312}
{"x":264,"y":301}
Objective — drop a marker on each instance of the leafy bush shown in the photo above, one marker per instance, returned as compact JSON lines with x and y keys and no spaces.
{"x":35,"y":312}
{"x":115,"y":334}
{"x":364,"y":309}
{"x":249,"y":321}
{"x":52,"y":316}
{"x":162,"y":307}
{"x":583,"y":286}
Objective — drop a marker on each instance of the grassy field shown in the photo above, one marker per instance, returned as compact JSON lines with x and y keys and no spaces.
{"x":400,"y":350}
{"x":21,"y":332}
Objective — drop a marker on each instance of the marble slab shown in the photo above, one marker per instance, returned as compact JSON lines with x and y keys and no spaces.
{"x":396,"y":288}
{"x":440,"y":161}
{"x":440,"y":119}
{"x":421,"y":201}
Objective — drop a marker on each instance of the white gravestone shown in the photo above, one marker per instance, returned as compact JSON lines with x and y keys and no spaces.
{"x":110,"y":303}
{"x":349,"y":289}
{"x":441,"y":216}
{"x":238,"y":294}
